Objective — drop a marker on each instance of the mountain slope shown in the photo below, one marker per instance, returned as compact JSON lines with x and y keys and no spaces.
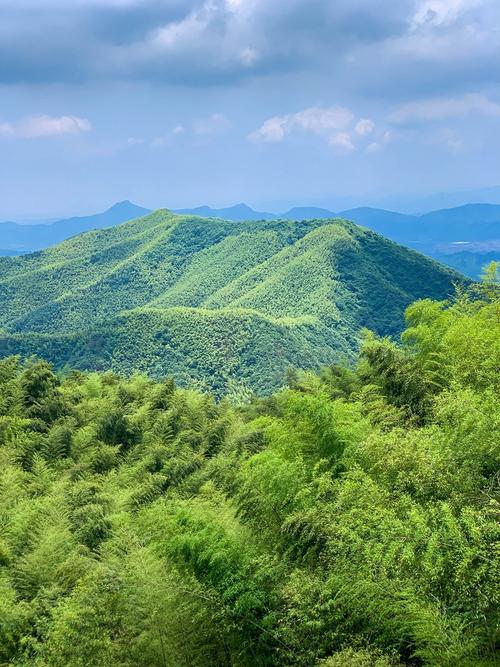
{"x":26,"y":238}
{"x":220,"y":303}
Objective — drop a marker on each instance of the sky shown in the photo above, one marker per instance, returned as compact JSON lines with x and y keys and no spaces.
{"x":177,"y":103}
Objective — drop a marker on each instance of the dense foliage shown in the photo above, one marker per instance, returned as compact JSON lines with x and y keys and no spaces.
{"x":223,"y":305}
{"x":350,"y":519}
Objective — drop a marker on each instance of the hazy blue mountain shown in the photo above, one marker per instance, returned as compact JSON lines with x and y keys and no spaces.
{"x":368,"y":215}
{"x":473,"y":222}
{"x":27,"y":238}
{"x":467,"y":214}
{"x":388,"y":223}
{"x":5,"y":252}
{"x":237,"y":213}
{"x":442,"y":200}
{"x":307,"y":212}
{"x":471,"y":264}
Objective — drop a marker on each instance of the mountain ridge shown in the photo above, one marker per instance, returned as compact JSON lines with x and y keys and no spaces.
{"x":469,"y":224}
{"x":211,"y":302}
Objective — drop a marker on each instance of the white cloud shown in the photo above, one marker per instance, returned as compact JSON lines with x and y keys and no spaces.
{"x":342,"y":142}
{"x":201,"y":128}
{"x":273,"y":129}
{"x":168,"y":138}
{"x":364,"y":127}
{"x":178,"y":33}
{"x":374,"y":147}
{"x":45,"y":126}
{"x":443,"y":108}
{"x":318,"y":120}
{"x":433,"y":13}
{"x":249,"y":57}
{"x":214,"y":124}
{"x":377,"y":145}
{"x":449,"y":139}
{"x":235,"y":5}
{"x":7,"y":130}
{"x":321,"y":120}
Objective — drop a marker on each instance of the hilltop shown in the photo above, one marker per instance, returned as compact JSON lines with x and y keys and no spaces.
{"x":227,"y":305}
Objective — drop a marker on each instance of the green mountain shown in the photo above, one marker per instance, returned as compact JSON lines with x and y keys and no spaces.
{"x":226,"y":305}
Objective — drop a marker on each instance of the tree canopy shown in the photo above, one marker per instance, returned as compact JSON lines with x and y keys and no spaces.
{"x":349,"y":519}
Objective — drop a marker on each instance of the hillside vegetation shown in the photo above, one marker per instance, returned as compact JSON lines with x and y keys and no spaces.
{"x":350,"y":519}
{"x":229,"y":306}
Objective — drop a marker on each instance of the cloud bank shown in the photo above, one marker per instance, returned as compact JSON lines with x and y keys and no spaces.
{"x":44,"y":126}
{"x":418,"y":43}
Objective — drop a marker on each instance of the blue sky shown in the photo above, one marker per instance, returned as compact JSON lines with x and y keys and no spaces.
{"x":273,"y":102}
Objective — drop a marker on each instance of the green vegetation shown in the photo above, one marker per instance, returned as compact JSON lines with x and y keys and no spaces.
{"x":225,"y":306}
{"x":350,"y":519}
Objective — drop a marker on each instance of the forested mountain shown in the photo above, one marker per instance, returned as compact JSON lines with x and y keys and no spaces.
{"x":426,"y":233}
{"x":472,"y":222}
{"x":230,"y":306}
{"x":27,"y":238}
{"x":350,"y":520}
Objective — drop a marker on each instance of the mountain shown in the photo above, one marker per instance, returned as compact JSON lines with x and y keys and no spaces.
{"x":425,"y":233}
{"x":472,"y":225}
{"x":388,"y":223}
{"x":5,"y":252}
{"x":443,"y":200}
{"x":26,"y":238}
{"x":305,"y":212}
{"x":469,"y":263}
{"x":222,"y":304}
{"x":473,"y":222}
{"x":238,"y":213}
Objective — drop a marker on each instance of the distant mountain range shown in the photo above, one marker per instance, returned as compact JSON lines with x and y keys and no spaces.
{"x":472,"y":222}
{"x":218,"y":303}
{"x":18,"y":238}
{"x":459,"y":229}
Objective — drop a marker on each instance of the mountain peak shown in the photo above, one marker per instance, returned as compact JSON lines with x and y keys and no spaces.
{"x":125,"y":205}
{"x":242,"y":206}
